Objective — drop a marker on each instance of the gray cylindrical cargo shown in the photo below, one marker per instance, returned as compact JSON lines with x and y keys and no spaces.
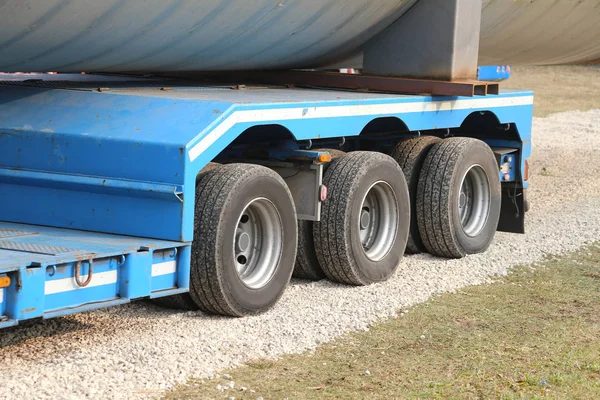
{"x":194,"y":35}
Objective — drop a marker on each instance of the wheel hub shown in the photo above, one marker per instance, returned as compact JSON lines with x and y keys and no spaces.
{"x":242,"y":241}
{"x":365,"y":219}
{"x":462,"y":201}
{"x":258,"y":243}
{"x":474,"y":200}
{"x":378,"y":221}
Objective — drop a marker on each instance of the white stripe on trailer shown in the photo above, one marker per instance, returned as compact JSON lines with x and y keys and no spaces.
{"x":286,"y":114}
{"x":164,"y":268}
{"x":1,"y":296}
{"x":101,"y":279}
{"x":69,"y":284}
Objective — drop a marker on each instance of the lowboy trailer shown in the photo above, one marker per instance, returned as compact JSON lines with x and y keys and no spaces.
{"x":121,"y":188}
{"x":232,"y":155}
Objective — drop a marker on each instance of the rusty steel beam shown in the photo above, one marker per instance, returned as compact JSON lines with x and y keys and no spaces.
{"x":336,"y":80}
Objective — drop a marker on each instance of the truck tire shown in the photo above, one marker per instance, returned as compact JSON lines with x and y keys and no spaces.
{"x":245,"y":240}
{"x":307,"y":265}
{"x":410,"y":155}
{"x":364,"y":224}
{"x":458,"y":198}
{"x":183,"y":301}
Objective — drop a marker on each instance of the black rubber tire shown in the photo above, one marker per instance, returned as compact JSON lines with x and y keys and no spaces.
{"x":337,"y":240}
{"x":307,"y":265}
{"x":220,"y":198}
{"x":183,"y":301}
{"x":438,"y":193}
{"x":410,"y":155}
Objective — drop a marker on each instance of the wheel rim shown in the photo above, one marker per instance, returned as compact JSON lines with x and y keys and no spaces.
{"x":474,"y":200}
{"x":378,"y":220}
{"x":257,"y":243}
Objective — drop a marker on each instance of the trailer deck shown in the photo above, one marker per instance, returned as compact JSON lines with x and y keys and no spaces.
{"x":43,"y":262}
{"x":99,"y":172}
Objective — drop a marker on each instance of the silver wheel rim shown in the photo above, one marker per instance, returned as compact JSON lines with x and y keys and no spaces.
{"x":378,"y":221}
{"x":257,"y":243}
{"x":474,"y":200}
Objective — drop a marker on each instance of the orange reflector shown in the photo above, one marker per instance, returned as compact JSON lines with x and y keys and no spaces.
{"x":4,"y":282}
{"x":526,"y":172}
{"x":324,"y":157}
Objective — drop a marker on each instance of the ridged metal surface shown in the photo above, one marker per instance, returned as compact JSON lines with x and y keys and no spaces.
{"x":194,"y":35}
{"x":539,"y":31}
{"x":5,"y":233}
{"x":185,"y":35}
{"x":34,"y":248}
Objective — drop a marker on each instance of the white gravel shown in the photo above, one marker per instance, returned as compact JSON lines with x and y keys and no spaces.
{"x":139,"y":350}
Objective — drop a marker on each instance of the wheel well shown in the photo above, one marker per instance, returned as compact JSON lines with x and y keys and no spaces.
{"x":264,"y":133}
{"x":380,"y":133}
{"x":384,"y":126}
{"x":485,"y":124}
{"x":256,"y":140}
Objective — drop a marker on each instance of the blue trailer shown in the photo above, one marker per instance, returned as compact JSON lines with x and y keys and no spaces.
{"x":210,"y":196}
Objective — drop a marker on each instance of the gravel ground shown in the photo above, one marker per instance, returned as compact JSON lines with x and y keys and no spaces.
{"x":139,"y":350}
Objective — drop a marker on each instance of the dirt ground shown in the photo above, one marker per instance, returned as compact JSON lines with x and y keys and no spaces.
{"x":558,"y":88}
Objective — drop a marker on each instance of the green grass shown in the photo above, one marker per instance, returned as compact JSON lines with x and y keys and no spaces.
{"x":531,"y":335}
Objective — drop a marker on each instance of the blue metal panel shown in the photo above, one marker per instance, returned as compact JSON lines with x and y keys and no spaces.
{"x":93,"y":158}
{"x":25,"y":295}
{"x":164,"y":282}
{"x":118,"y":162}
{"x":135,"y":276}
{"x":165,"y":275}
{"x":493,"y":72}
{"x":41,"y":263}
{"x":99,"y":134}
{"x":60,"y":285}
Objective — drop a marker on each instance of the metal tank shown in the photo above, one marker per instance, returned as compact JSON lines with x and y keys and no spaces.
{"x":539,"y":32}
{"x":197,"y":35}
{"x":186,"y":35}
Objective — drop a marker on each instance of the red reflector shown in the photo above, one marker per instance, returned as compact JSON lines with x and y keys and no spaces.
{"x":323,"y":193}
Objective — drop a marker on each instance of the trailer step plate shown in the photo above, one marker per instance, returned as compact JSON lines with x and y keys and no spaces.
{"x":6,"y":233}
{"x":34,"y":248}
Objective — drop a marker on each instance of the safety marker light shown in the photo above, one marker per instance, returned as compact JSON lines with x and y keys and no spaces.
{"x":4,"y":282}
{"x":325,"y":157}
{"x":526,"y":172}
{"x":323,"y":193}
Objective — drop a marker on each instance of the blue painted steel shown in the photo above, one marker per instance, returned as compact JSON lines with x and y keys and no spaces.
{"x":41,"y":263}
{"x":126,"y":162}
{"x":168,"y":280}
{"x":494,"y":72}
{"x":96,"y":294}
